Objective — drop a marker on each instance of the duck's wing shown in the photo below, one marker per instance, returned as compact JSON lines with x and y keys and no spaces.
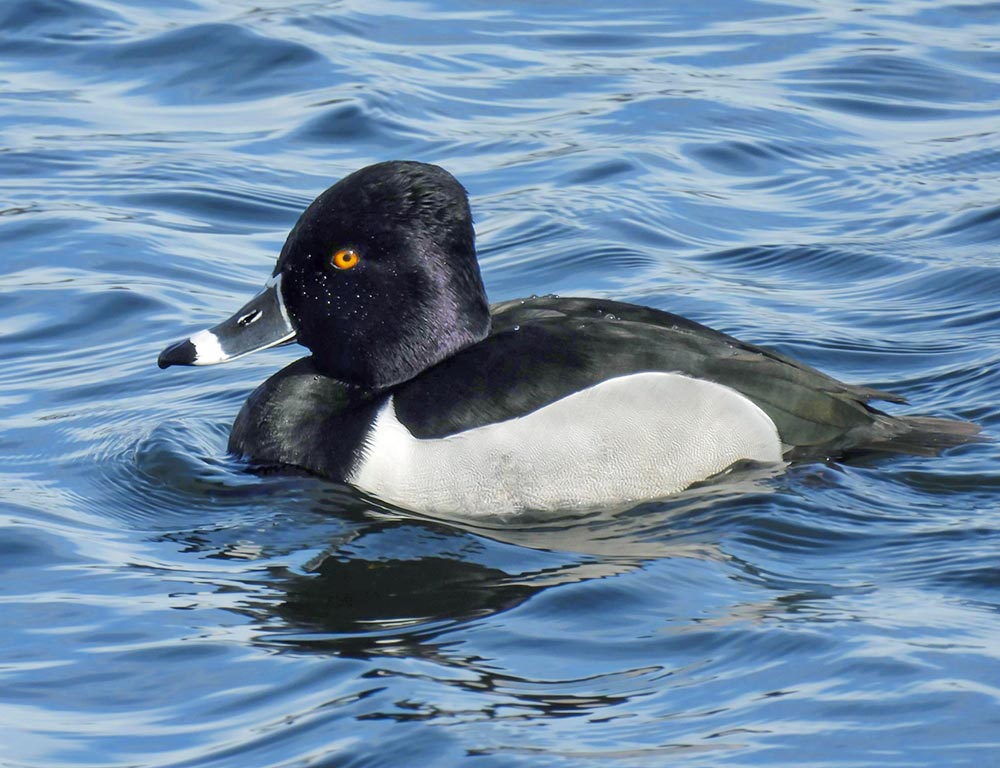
{"x":507,"y":314}
{"x":543,"y":349}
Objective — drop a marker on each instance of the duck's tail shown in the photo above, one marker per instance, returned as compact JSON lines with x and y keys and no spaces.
{"x":920,"y":435}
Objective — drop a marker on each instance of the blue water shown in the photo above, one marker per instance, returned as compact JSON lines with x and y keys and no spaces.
{"x":819,"y":177}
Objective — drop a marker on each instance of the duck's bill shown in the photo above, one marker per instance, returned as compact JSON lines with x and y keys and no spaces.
{"x":261,"y":323}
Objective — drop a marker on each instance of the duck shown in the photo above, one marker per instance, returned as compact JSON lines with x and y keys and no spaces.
{"x":420,"y":393}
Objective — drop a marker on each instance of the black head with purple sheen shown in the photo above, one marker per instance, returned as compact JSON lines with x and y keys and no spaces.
{"x":378,"y":278}
{"x":411,"y":293}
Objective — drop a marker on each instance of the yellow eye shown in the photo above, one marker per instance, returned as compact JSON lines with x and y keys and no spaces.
{"x":345,"y":258}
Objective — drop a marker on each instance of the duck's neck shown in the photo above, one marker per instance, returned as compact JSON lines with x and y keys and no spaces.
{"x":410,"y":343}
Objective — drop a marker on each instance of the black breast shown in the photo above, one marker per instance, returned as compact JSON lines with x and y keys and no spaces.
{"x":300,"y":418}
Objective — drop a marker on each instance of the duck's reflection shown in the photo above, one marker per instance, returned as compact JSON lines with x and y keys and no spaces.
{"x":421,"y":602}
{"x":392,"y":578}
{"x":346,"y":595}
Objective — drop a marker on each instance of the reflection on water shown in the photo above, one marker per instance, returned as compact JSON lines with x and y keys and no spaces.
{"x":389,"y":577}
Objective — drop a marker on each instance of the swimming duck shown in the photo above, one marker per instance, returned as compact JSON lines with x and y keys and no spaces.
{"x":422,"y":394}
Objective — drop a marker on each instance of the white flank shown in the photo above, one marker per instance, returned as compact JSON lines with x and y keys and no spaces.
{"x":626,"y":439}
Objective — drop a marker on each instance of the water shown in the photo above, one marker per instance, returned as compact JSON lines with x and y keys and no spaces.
{"x":822,"y":178}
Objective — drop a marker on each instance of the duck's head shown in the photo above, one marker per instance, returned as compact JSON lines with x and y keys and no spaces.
{"x":378,"y":278}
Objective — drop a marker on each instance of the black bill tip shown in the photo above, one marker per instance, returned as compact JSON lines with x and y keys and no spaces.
{"x":181,"y":353}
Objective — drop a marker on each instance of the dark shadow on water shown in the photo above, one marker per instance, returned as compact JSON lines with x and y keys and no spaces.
{"x":366,"y":598}
{"x":392,"y":582}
